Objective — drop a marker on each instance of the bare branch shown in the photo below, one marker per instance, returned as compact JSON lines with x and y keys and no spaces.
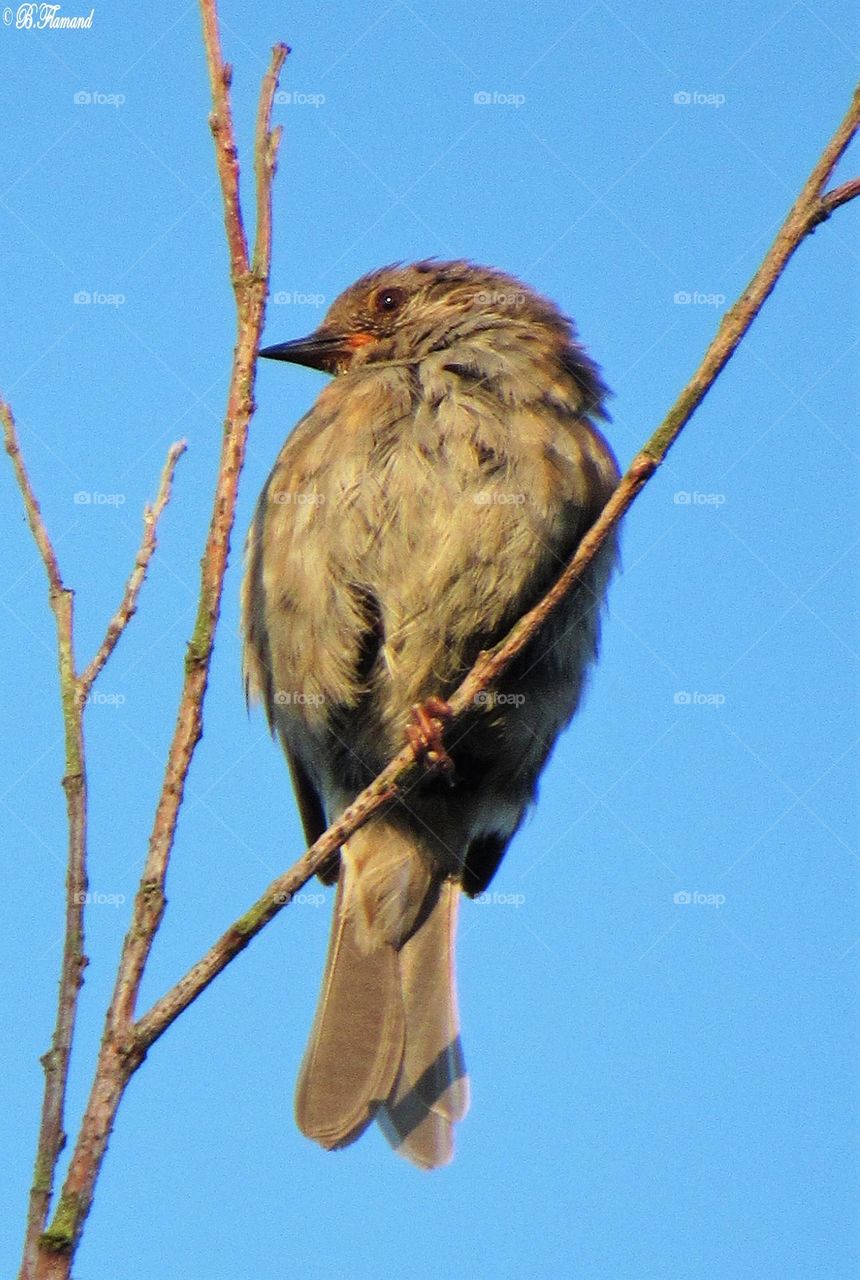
{"x":119,"y":1055}
{"x":381,"y":791}
{"x":838,"y":196}
{"x":73,"y":691}
{"x":221,"y":124}
{"x":128,"y":604}
{"x":51,"y":1137}
{"x":149,"y":902}
{"x":266,"y":145}
{"x":31,"y":504}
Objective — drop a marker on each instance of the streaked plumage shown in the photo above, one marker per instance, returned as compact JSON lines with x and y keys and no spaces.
{"x":431,"y":496}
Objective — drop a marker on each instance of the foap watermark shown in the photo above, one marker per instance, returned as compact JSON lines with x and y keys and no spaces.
{"x":95,"y":898}
{"x":98,"y":699}
{"x":300,"y":899}
{"x":46,"y":17}
{"x":490,"y":698}
{"x":688,"y":698}
{"x":499,"y":899}
{"x":290,"y":98}
{"x":498,"y":498}
{"x":95,"y":98}
{"x":493,"y":98}
{"x":696,"y":98}
{"x":500,"y":298}
{"x":298,"y":698}
{"x":693,"y":898}
{"x":693,"y":498}
{"x":93,"y":498}
{"x":299,"y":498}
{"x":95,"y":298}
{"x":294,"y":298}
{"x":697,"y":298}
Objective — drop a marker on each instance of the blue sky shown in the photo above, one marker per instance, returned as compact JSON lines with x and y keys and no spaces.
{"x":660,"y":1088}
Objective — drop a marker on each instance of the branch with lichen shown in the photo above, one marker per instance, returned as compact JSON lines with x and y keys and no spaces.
{"x":56,"y":1061}
{"x":74,"y":690}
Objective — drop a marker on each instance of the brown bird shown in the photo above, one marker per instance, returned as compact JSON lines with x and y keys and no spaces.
{"x":429,"y":498}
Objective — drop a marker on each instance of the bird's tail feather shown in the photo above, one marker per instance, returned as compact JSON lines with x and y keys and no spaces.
{"x":385,"y":1041}
{"x":432,"y":1090}
{"x":356,"y":1043}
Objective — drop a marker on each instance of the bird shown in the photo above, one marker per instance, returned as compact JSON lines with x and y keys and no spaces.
{"x":431,"y":495}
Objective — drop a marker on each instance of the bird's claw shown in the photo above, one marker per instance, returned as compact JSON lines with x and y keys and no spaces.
{"x":424,"y":732}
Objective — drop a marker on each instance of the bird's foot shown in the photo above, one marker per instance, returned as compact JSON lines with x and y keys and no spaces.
{"x":425,"y":731}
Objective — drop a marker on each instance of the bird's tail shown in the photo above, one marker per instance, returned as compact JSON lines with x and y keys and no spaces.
{"x":385,"y":1042}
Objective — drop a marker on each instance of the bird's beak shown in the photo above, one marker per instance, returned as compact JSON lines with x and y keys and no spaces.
{"x":322,"y":349}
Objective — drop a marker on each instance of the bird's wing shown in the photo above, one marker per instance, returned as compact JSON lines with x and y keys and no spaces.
{"x":311,"y":812}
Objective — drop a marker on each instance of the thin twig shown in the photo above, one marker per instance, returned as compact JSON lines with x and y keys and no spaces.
{"x":51,"y":1137}
{"x":838,"y":196}
{"x":128,"y":604}
{"x":226,"y":154}
{"x":266,"y":143}
{"x":802,"y":219}
{"x":31,"y":504}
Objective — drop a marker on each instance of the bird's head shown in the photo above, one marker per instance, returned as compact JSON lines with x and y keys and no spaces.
{"x":405,"y":313}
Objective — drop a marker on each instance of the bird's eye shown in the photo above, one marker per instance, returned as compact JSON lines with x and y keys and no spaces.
{"x":389,"y":300}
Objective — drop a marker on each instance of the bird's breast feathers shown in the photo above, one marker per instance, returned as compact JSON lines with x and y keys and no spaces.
{"x":401,"y":491}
